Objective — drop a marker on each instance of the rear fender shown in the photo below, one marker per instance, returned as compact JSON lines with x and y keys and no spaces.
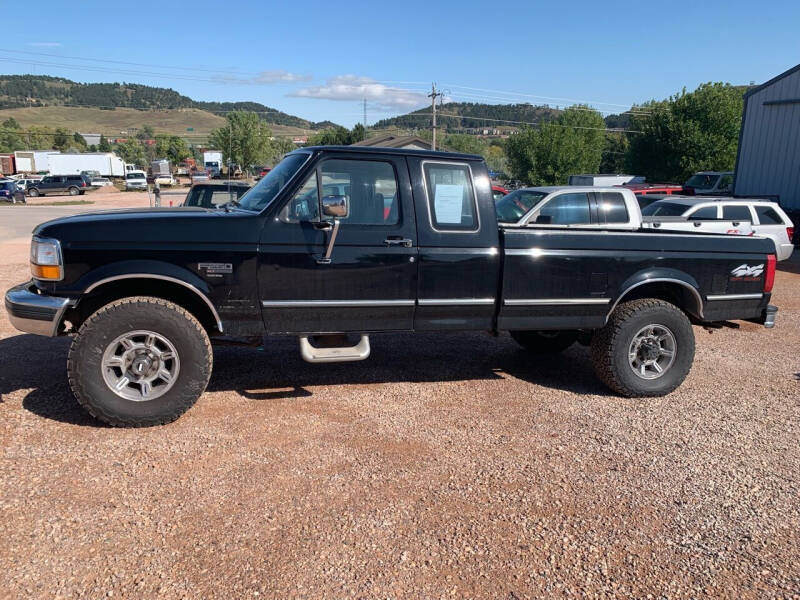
{"x":662,"y":278}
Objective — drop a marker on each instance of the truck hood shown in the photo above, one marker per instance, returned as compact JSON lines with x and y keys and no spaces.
{"x":190,"y":224}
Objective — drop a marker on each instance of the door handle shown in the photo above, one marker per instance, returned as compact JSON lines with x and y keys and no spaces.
{"x":398,"y":241}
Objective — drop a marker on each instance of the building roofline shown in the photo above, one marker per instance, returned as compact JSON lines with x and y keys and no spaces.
{"x":758,"y":88}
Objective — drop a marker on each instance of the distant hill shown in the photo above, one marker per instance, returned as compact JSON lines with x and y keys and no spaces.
{"x":19,"y":91}
{"x":473,"y":116}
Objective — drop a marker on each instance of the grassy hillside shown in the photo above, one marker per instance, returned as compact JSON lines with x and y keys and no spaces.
{"x":473,"y":116}
{"x":19,"y":91}
{"x":113,"y":123}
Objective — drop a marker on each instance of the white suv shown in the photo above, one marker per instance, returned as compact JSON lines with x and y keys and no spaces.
{"x":767,"y":217}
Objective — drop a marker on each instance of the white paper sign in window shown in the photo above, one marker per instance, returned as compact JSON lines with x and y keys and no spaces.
{"x":448,"y":203}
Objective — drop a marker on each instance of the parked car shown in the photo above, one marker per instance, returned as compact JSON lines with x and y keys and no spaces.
{"x":59,"y":184}
{"x":262,"y":173}
{"x":198,"y":177}
{"x":146,"y":292}
{"x":23,"y":181}
{"x":768,"y":218}
{"x":164,"y":180}
{"x":135,"y":180}
{"x":212,"y":195}
{"x":498,"y":192}
{"x":101,"y":182}
{"x":603,"y":179}
{"x":91,"y":174}
{"x":10,"y":192}
{"x":709,"y":183}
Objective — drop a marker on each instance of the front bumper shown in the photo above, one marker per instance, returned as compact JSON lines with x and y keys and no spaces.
{"x":35,"y":313}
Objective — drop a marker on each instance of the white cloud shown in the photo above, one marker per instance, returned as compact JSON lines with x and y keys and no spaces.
{"x":267,"y":78}
{"x":44,"y":44}
{"x":353,"y":88}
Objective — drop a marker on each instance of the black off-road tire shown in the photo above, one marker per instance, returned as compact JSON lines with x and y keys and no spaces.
{"x":610,"y":346}
{"x":131,"y":314}
{"x":545,"y":342}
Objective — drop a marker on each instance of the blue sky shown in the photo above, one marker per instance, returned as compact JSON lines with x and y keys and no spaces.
{"x":318,"y":60}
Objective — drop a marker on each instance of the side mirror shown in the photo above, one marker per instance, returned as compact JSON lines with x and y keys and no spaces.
{"x":544,"y":220}
{"x":335,"y":206}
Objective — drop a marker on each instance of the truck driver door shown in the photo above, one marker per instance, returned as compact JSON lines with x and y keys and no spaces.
{"x":366,"y":280}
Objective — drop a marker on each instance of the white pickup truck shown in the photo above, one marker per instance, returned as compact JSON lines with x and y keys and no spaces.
{"x":601,"y":208}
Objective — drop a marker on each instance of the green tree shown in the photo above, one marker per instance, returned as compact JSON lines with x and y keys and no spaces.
{"x":61,"y":139}
{"x":103,"y":145}
{"x":331,"y":136}
{"x":146,"y":133}
{"x":10,"y":138}
{"x":39,"y":138}
{"x":358,"y":133}
{"x":615,"y":153}
{"x":281,"y":146}
{"x":571,"y":144}
{"x":689,"y":132}
{"x":78,"y":142}
{"x":469,"y":144}
{"x":172,"y":148}
{"x":131,"y":151}
{"x":244,"y":140}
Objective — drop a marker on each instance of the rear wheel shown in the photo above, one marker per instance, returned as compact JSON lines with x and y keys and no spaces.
{"x":139,"y":361}
{"x":73,"y":191}
{"x":645,"y":349}
{"x":34,"y":193}
{"x":545,"y":342}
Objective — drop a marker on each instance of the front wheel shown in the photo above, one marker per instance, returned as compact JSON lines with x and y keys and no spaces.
{"x":33,"y":193}
{"x":545,"y":342}
{"x":73,"y":191}
{"x":645,"y":349}
{"x":139,"y":361}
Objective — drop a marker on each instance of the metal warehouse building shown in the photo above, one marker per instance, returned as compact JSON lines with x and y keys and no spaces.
{"x":768,"y":159}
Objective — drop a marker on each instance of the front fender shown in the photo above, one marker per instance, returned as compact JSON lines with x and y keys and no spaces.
{"x":128,"y":269}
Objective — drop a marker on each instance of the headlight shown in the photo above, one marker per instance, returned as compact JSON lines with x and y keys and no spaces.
{"x":46,"y":261}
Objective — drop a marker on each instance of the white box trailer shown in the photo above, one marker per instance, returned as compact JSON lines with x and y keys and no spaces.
{"x":107,"y":164}
{"x":602,"y":180}
{"x":33,"y":161}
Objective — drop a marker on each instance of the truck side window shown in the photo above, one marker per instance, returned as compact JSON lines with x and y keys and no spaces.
{"x":304,"y":205}
{"x":736,"y":213}
{"x":707,"y":212}
{"x":566,"y":209}
{"x":612,"y":208}
{"x":369,"y":185}
{"x":451,"y":198}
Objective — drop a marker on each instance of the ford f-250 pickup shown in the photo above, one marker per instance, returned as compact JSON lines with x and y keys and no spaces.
{"x":345,"y":241}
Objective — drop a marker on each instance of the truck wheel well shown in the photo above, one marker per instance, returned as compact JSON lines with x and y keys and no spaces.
{"x":157,"y":288}
{"x":681,"y":295}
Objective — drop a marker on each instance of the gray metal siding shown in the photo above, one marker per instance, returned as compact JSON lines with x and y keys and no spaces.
{"x":769,"y":151}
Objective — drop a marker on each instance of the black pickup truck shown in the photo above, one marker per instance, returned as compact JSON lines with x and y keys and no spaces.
{"x":340,"y":242}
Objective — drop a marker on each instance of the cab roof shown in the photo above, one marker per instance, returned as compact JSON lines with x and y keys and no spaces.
{"x":378,"y":150}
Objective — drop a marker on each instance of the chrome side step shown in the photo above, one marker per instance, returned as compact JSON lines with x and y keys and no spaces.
{"x":313,"y":354}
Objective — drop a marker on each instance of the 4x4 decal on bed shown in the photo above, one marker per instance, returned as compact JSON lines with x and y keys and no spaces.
{"x":748,"y":271}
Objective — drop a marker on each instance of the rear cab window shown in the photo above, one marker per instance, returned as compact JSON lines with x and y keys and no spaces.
{"x":451,"y":196}
{"x":611,"y":208}
{"x":571,"y":208}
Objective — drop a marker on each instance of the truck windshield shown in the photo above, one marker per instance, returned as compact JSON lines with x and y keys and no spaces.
{"x":512,"y":207}
{"x":664,"y":209}
{"x":702,"y":181}
{"x":264,"y":192}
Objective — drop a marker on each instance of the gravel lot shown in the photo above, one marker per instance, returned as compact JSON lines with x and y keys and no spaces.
{"x":444,"y":466}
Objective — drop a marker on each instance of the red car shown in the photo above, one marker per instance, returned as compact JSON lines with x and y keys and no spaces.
{"x":642,"y":189}
{"x":498,"y":192}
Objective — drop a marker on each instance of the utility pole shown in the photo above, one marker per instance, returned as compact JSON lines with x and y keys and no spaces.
{"x":365,"y":114}
{"x":433,"y":95}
